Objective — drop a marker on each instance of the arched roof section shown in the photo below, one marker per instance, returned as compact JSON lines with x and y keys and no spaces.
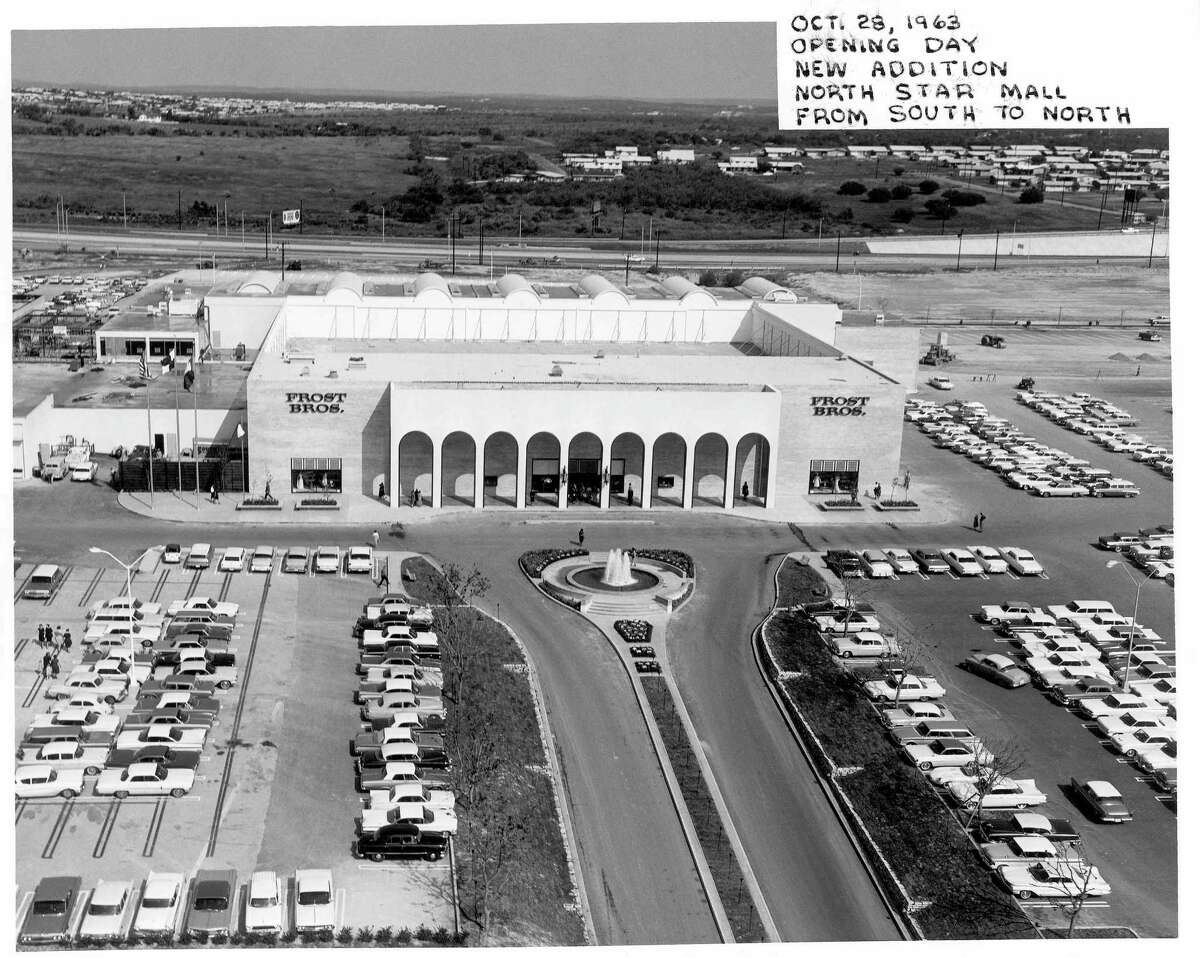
{"x":344,"y":287}
{"x":687,"y":292}
{"x":601,"y":292}
{"x":431,"y":288}
{"x":259,"y":283}
{"x":758,"y":287}
{"x":516,"y":290}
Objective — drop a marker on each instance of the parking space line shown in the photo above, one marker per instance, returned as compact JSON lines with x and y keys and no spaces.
{"x":225,"y":587}
{"x":106,"y":829}
{"x":21,"y":587}
{"x":191,"y":591}
{"x":59,"y":827}
{"x":156,"y":820}
{"x":61,"y":582}
{"x":162,"y":580}
{"x":31,"y":695}
{"x":22,"y":804}
{"x":340,"y":911}
{"x":87,"y":594}
{"x":19,"y":648}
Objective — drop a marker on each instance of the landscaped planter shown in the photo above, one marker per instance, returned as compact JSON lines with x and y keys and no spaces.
{"x":268,"y":504}
{"x":307,"y":505}
{"x":837,"y":506}
{"x":897,"y":507}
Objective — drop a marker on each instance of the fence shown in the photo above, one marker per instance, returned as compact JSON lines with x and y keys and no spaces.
{"x":228,"y":475}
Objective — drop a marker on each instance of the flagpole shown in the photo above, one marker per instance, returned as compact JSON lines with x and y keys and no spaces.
{"x":178,"y":435}
{"x":150,"y":442}
{"x":195,"y":433}
{"x":245,"y":468}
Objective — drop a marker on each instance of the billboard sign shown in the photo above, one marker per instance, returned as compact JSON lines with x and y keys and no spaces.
{"x":291,"y":217}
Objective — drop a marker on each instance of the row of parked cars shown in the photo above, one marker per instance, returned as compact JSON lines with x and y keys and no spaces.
{"x":137,"y":711}
{"x":1023,"y":462}
{"x":1116,"y":673}
{"x":356,"y":560}
{"x":167,"y":903}
{"x":1102,"y":422}
{"x":1151,"y":550}
{"x":401,"y":764}
{"x":962,"y":561}
{"x":1031,"y":855}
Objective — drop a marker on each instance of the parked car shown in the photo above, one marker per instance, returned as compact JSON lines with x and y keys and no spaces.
{"x":51,"y":912}
{"x":129,"y":607}
{"x":264,"y":903}
{"x":993,"y":563}
{"x":158,"y":913}
{"x":233,"y":559}
{"x":202,"y":603}
{"x":1025,"y":850}
{"x":199,"y":556}
{"x":172,"y":553}
{"x":996,"y":668}
{"x":145,"y":778}
{"x":295,"y":560}
{"x":1021,"y":561}
{"x":1009,"y":611}
{"x":314,"y":900}
{"x":211,"y":901}
{"x":1006,"y":793}
{"x":910,"y":688}
{"x":851,"y":645}
{"x":169,"y":735}
{"x":843,"y":563}
{"x":1101,"y":800}
{"x":846,"y":620}
{"x":110,"y":690}
{"x":941,"y":382}
{"x":946,"y":754}
{"x":1053,"y":880}
{"x":109,"y":913}
{"x":962,"y":561}
{"x":1028,"y":823}
{"x":1081,"y":690}
{"x":360,"y":560}
{"x":327,"y":559}
{"x":46,"y":781}
{"x":930,"y":561}
{"x":65,"y":755}
{"x":911,"y":713}
{"x":400,"y":840}
{"x":876,"y":565}
{"x":262,"y":558}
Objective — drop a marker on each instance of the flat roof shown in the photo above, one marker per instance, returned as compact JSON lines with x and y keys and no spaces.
{"x":118,"y":386}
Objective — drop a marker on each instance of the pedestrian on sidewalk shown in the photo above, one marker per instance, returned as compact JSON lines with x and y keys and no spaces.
{"x":41,"y":639}
{"x":46,"y":656}
{"x":58,"y":634}
{"x":375,"y":538}
{"x":581,"y":538}
{"x":66,"y":642}
{"x":981,"y":518}
{"x":54,"y":666}
{"x":975,"y":522}
{"x":745,"y":491}
{"x":384,"y":581}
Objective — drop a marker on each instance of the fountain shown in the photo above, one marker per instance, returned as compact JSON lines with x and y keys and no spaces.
{"x":618,"y":570}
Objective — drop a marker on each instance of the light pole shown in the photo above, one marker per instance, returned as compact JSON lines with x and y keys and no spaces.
{"x":128,"y":587}
{"x":1133,"y":624}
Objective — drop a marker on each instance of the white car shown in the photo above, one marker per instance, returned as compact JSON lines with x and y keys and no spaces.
{"x":110,"y":690}
{"x":1113,"y":704}
{"x":262,"y":559}
{"x":1021,"y":561}
{"x":1053,"y":880}
{"x":264,"y":903}
{"x":861,"y":645}
{"x":84,"y":471}
{"x":202,"y":603}
{"x":233,"y":559}
{"x":1059,"y":488}
{"x":941,"y":382}
{"x":171,"y":735}
{"x":946,"y":754}
{"x":1144,"y":740}
{"x":962,"y":561}
{"x":910,"y":713}
{"x":65,"y":755}
{"x":1006,"y":793}
{"x":145,"y":778}
{"x":360,"y":560}
{"x":910,"y":688}
{"x":327,"y":559}
{"x":876,"y":565}
{"x":901,"y":560}
{"x":1025,"y":850}
{"x":109,"y":912}
{"x":46,"y":781}
{"x":158,"y":914}
{"x":314,"y":900}
{"x":846,"y":620}
{"x":124,"y":603}
{"x":993,"y":563}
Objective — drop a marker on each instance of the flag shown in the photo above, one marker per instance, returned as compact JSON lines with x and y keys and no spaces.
{"x":165,"y":362}
{"x":189,"y":376}
{"x":171,"y":359}
{"x":142,"y":370}
{"x":239,"y":431}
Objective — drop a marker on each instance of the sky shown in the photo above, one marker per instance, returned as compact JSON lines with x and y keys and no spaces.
{"x":727,"y":62}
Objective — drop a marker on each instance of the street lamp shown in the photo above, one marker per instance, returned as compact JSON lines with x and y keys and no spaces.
{"x":128,"y":587}
{"x":1133,"y":626}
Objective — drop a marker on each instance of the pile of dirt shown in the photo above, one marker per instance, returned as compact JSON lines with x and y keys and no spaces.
{"x":1150,"y":358}
{"x":1120,"y":358}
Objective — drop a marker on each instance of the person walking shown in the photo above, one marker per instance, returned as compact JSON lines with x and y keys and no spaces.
{"x":66,"y":642}
{"x":745,"y":491}
{"x":384,"y":581}
{"x":54,"y":666}
{"x":878,"y":491}
{"x":581,"y":538}
{"x":629,"y":496}
{"x":975,"y":522}
{"x":41,"y":639}
{"x":46,"y":656}
{"x":375,"y":538}
{"x":981,"y":518}
{"x":58,"y":634}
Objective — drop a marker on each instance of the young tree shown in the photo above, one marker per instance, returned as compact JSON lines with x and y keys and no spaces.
{"x":901,"y":191}
{"x":879,"y":194}
{"x":907,"y":659}
{"x":994,"y":763}
{"x":851,"y":188}
{"x":1083,"y":882}
{"x":459,"y":623}
{"x":902,"y":214}
{"x":1031,"y":194}
{"x":928,"y":186}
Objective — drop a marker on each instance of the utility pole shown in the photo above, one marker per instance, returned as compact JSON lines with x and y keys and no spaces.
{"x":657,"y":242}
{"x":302,"y":216}
{"x":267,"y":239}
{"x":1153,"y":233}
{"x":837,"y":260}
{"x":520,"y":223}
{"x":1103,"y":201}
{"x":626,"y":269}
{"x":958,"y":259}
{"x":996,"y":255}
{"x":383,"y":226}
{"x":453,"y":242}
{"x":481,"y":237}
{"x":243,"y":229}
{"x":124,"y":214}
{"x":282,"y":254}
{"x":179,"y":208}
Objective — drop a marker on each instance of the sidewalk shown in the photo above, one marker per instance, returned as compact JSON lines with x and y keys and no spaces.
{"x":937,"y":506}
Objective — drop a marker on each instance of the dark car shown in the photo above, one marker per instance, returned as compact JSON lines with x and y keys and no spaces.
{"x":211,"y":902}
{"x":202,"y":617}
{"x":370,"y":660}
{"x":176,"y":682}
{"x":1082,"y":689}
{"x":1101,"y":800}
{"x":49,"y":917}
{"x":426,"y":751}
{"x":843,"y":563}
{"x":211,"y":631}
{"x":396,"y":773}
{"x":212,"y":656}
{"x":641,"y":651}
{"x":1028,"y":823}
{"x":169,"y":717}
{"x":930,"y":561}
{"x":401,"y":654}
{"x":400,"y":840}
{"x":996,"y":668}
{"x":196,"y":702}
{"x":158,"y":754}
{"x":365,"y":742}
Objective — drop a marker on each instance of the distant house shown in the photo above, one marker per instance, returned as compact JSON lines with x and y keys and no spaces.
{"x":824,"y":152}
{"x":785,"y":165}
{"x":780,"y":152}
{"x":912,"y":152}
{"x":739,"y":164}
{"x":676,"y":155}
{"x":628,"y":156}
{"x":866,"y":152}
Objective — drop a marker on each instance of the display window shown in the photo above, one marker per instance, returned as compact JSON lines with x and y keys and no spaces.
{"x":833,"y":477}
{"x":317,"y":475}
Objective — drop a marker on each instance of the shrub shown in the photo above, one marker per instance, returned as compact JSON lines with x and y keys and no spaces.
{"x":325,"y":934}
{"x":308,"y":936}
{"x":384,"y":934}
{"x":901,"y":191}
{"x":898,"y":171}
{"x":940,"y":209}
{"x":1031,"y":194}
{"x":928,"y":186}
{"x":534,"y":561}
{"x":185,"y":938}
{"x":442,"y":936}
{"x":902,"y":214}
{"x":403,"y":936}
{"x":707,"y":278}
{"x":879,"y":194}
{"x":288,"y":936}
{"x":219,"y":938}
{"x":633,"y":630}
{"x":851,"y":188}
{"x":423,"y":934}
{"x":201,"y":937}
{"x":366,"y":933}
{"x":963,"y":198}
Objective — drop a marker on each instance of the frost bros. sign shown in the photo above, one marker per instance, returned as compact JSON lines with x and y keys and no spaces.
{"x":316,"y":402}
{"x":839,"y":405}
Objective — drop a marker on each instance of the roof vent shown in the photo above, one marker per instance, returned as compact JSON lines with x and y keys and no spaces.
{"x":556,"y":370}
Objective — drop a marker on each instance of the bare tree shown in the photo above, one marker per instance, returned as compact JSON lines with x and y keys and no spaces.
{"x":911,"y":646}
{"x":460,"y":625}
{"x":994,"y":763}
{"x":1083,"y":881}
{"x":490,"y":846}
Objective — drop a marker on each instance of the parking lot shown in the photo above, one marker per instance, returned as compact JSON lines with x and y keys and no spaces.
{"x":1139,"y":858}
{"x":275,"y":784}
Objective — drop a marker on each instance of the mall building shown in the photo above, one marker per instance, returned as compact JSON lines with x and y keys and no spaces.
{"x":473,"y":393}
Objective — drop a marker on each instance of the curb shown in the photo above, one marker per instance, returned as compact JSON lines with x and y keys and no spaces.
{"x":703,"y":871}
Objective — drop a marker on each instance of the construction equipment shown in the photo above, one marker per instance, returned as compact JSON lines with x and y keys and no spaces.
{"x":996,"y":342}
{"x":1026,"y":383}
{"x":937,"y":355}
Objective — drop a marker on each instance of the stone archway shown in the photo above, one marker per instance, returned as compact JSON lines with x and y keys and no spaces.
{"x":501,"y":452}
{"x":544,"y":465}
{"x":585,"y":469}
{"x":670,"y":468}
{"x":627,"y":468}
{"x":416,"y":467}
{"x":458,"y":469}
{"x":710,"y":459}
{"x":751,"y":470}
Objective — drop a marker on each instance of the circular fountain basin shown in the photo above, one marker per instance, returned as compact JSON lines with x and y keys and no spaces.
{"x":591,"y":579}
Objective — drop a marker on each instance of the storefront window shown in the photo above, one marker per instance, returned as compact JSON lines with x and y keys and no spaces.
{"x":317,"y":475}
{"x":833,"y":477}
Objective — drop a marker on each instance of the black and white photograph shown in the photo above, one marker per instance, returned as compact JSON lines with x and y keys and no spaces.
{"x":642,"y":475}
